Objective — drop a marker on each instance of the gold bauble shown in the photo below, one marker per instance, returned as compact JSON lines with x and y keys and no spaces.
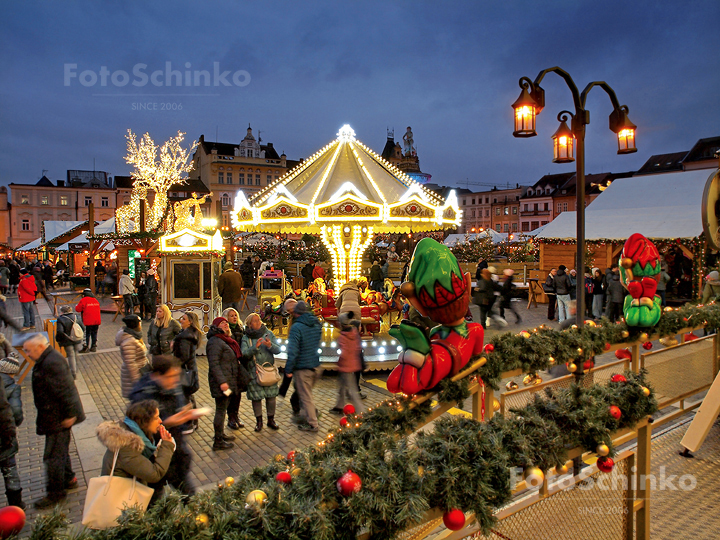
{"x":627,"y":262}
{"x":591,"y":324}
{"x":256,"y":498}
{"x":229,"y":481}
{"x":496,"y":405}
{"x":531,"y":379}
{"x":279,"y":457}
{"x":202,"y":519}
{"x":579,"y":351}
{"x":625,"y":334}
{"x":534,"y":476}
{"x":667,"y":309}
{"x":574,"y":327}
{"x":646,"y":391}
{"x":551,"y":361}
{"x":421,"y":471}
{"x":572,"y":368}
{"x":561,"y":469}
{"x":602,"y":450}
{"x":295,"y":471}
{"x":644,"y":337}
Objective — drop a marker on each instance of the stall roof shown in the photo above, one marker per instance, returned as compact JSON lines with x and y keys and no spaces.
{"x":496,"y":237}
{"x":656,"y":206}
{"x":82,"y":239}
{"x":30,"y":246}
{"x":55,"y":229}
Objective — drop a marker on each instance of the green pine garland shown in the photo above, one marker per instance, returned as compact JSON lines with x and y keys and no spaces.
{"x":462,"y":464}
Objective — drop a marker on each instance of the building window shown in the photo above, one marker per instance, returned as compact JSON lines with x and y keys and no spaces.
{"x":526,"y":226}
{"x":104,"y":202}
{"x":505,"y":227}
{"x":498,"y":227}
{"x":229,"y":178}
{"x":269,"y":179}
{"x":221,"y":178}
{"x":257,"y":179}
{"x":63,"y":200}
{"x":559,"y":208}
{"x":45,"y":200}
{"x":565,"y":207}
{"x":25,"y":224}
{"x":534,"y":225}
{"x":547,"y":206}
{"x":487,"y":212}
{"x":225,"y":199}
{"x":515,"y":210}
{"x":506,"y":211}
{"x":497,"y":211}
{"x":88,"y":201}
{"x":241,"y":179}
{"x":473,"y":213}
{"x":473,"y":201}
{"x":25,"y":199}
{"x":225,"y":220}
{"x":464,"y":202}
{"x":526,"y":208}
{"x":514,"y":227}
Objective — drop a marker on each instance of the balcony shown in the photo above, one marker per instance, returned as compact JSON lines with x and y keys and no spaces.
{"x":529,"y":213}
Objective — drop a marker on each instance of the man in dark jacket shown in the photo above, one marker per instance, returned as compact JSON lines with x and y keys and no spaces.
{"x":303,"y":363}
{"x":230,"y":284}
{"x":616,"y":297}
{"x":307,"y":272}
{"x":8,"y":449}
{"x":562,"y":288}
{"x":58,"y":409}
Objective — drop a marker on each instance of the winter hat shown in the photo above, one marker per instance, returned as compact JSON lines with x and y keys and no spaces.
{"x":87,"y":292}
{"x":713,"y":278}
{"x":218,"y":321}
{"x":300,"y":308}
{"x":131,"y":321}
{"x":9,"y":366}
{"x":228,"y":266}
{"x":23,"y":271}
{"x":346,"y":318}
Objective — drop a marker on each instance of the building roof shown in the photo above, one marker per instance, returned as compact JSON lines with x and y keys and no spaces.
{"x":228,"y":149}
{"x":657,"y":206}
{"x":389,"y":150}
{"x":663,"y":163}
{"x":45,"y":181}
{"x":54,"y":229}
{"x":103,"y":227}
{"x":123,"y":182}
{"x":553,"y":181}
{"x":31,"y":246}
{"x":703,"y":150}
{"x":191,"y":185}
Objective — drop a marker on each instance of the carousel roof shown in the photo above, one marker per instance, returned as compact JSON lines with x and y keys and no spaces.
{"x":345,"y":182}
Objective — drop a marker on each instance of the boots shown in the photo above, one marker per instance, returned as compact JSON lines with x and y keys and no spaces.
{"x":272,"y":424}
{"x":258,"y":426}
{"x":14,"y":498}
{"x":235,"y":423}
{"x":221,"y":444}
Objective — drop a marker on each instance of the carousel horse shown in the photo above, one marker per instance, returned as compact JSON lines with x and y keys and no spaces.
{"x":268,"y":314}
{"x":392,"y":301}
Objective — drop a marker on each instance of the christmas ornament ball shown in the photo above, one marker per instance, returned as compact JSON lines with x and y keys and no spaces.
{"x":279,"y":457}
{"x":615,"y":412}
{"x":579,"y":351}
{"x":644,"y":337}
{"x":291,"y":455}
{"x":605,"y":464}
{"x":256,"y":497}
{"x":349,"y":483}
{"x":489,"y":348}
{"x":588,"y":364}
{"x":571,"y":367}
{"x":12,"y":520}
{"x":284,"y":477}
{"x":602,"y":450}
{"x":454,"y":519}
{"x":343,"y":421}
{"x":561,"y":469}
{"x":229,"y":481}
{"x":646,"y":391}
{"x":647,"y":345}
{"x":202,"y":519}
{"x":295,"y":471}
{"x":551,"y":360}
{"x":625,"y":334}
{"x":349,"y":409}
{"x":496,"y":405}
{"x":534,"y":476}
{"x":421,"y":471}
{"x":525,"y":334}
{"x":590,"y":323}
{"x":607,"y":346}
{"x":618,"y":378}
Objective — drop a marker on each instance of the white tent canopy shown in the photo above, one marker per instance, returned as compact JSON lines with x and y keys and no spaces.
{"x":496,"y":237}
{"x":656,"y":206}
{"x":30,"y":245}
{"x":103,"y":227}
{"x":55,"y":229}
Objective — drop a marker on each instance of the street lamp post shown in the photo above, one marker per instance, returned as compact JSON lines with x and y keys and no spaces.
{"x":567,"y":140}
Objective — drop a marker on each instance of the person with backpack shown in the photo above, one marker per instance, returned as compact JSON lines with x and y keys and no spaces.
{"x":70,"y":334}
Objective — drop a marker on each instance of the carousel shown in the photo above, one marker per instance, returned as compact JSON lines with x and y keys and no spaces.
{"x":346,"y":193}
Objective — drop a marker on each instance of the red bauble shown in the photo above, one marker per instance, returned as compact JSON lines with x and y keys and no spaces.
{"x":291,"y":455}
{"x":454,"y":519}
{"x":349,"y":409}
{"x":690,"y":336}
{"x":615,"y":412}
{"x":489,"y":348}
{"x":343,"y":421}
{"x":622,"y":354}
{"x":618,"y":378}
{"x":284,"y":477}
{"x":605,"y":464}
{"x":607,"y":346}
{"x":12,"y":520}
{"x":588,"y":364}
{"x":349,"y":483}
{"x":647,"y":345}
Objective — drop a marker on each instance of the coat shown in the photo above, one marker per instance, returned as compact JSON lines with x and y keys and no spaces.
{"x":159,"y":338}
{"x":348,"y":300}
{"x":615,"y":290}
{"x":56,"y":397}
{"x":349,"y":360}
{"x":4,"y":276}
{"x":246,"y":271}
{"x":223,"y":365}
{"x":184,"y":347}
{"x":260,"y":356}
{"x":562,"y":283}
{"x":13,"y":393}
{"x":64,"y":328}
{"x":89,"y":307}
{"x":14,"y":274}
{"x":230,"y":284}
{"x":169,"y":401}
{"x":303,"y":341}
{"x":8,"y":431}
{"x":376,"y":273}
{"x":117,"y":437}
{"x":27,"y":289}
{"x":485,"y":295}
{"x":134,"y":358}
{"x":126,"y":285}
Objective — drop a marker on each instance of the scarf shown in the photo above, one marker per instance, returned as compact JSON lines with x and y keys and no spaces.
{"x":150,"y":448}
{"x":255,"y":334}
{"x":230,"y":341}
{"x":133,"y":332}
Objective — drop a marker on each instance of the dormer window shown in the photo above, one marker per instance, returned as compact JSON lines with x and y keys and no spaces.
{"x":529,"y":191}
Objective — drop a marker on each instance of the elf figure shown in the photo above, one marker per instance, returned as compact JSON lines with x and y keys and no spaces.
{"x":639,"y":273}
{"x":437,"y":288}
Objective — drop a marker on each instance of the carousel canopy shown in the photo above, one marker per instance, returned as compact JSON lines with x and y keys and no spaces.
{"x":345,"y":182}
{"x":656,"y":206}
{"x":31,"y":246}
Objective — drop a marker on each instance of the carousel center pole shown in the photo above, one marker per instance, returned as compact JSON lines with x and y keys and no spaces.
{"x":346,"y":244}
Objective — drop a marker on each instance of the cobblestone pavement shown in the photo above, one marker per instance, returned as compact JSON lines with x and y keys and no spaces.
{"x":98,"y":383}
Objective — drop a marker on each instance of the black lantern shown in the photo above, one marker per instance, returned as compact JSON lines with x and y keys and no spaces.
{"x":527,"y":106}
{"x":563,"y":141}
{"x":625,"y":129}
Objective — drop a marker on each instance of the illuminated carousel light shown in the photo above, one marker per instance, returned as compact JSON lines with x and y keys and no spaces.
{"x":399,"y":348}
{"x":381,"y":350}
{"x":323,"y":344}
{"x":333,"y":345}
{"x":374,"y":343}
{"x":384,"y":343}
{"x":319,"y":351}
{"x":283,"y":348}
{"x":364,"y":344}
{"x":339,"y":351}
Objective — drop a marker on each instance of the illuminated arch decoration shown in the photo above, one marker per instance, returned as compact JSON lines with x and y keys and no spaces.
{"x":346,"y":193}
{"x":189,"y":241}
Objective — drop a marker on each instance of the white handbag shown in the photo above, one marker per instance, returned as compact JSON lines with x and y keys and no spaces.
{"x":108,"y":496}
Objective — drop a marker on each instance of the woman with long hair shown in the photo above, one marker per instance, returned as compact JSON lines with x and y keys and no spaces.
{"x":237,"y":331}
{"x":259,"y":344}
{"x":184,"y":346}
{"x":162,"y":331}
